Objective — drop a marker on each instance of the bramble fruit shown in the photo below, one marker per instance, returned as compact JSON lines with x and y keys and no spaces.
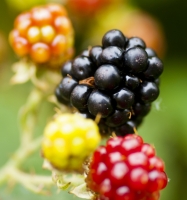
{"x":126,"y":168}
{"x":68,"y":140}
{"x":118,"y":81}
{"x":44,"y":34}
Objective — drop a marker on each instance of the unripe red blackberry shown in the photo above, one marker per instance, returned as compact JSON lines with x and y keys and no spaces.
{"x":126,"y":168}
{"x":121,"y":78}
{"x":44,"y":34}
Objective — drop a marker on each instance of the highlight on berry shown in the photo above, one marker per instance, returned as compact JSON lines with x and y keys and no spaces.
{"x":43,"y":34}
{"x":124,"y":76}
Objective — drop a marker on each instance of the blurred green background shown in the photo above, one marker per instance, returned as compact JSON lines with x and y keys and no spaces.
{"x":165,"y":126}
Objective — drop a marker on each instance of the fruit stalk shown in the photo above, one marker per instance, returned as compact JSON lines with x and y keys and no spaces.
{"x":17,"y":158}
{"x":28,"y":115}
{"x":27,"y":121}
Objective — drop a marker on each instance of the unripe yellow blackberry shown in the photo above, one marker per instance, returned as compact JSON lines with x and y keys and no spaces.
{"x":68,"y":140}
{"x":43,"y":34}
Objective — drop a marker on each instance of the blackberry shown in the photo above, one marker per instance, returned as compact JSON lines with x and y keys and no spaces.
{"x":107,"y":77}
{"x":85,"y":53}
{"x":126,"y":128}
{"x":118,"y":117}
{"x":79,"y":97}
{"x":66,"y":87}
{"x":59,"y":97}
{"x":154,"y":68}
{"x":124,"y":98}
{"x":141,"y":110}
{"x":112,"y":55}
{"x":117,"y":81}
{"x":100,"y":103}
{"x":114,"y":38}
{"x":66,"y":69}
{"x":131,"y":81}
{"x":150,"y":52}
{"x":135,"y":60}
{"x":95,"y":53}
{"x":104,"y":129}
{"x":135,"y":42}
{"x":157,"y":81}
{"x":82,"y":67}
{"x":148,"y":91}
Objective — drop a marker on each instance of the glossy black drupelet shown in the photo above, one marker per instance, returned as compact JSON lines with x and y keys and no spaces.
{"x":136,"y":60}
{"x":150,"y":52}
{"x":154,"y":69}
{"x":135,"y":42}
{"x":114,"y":38}
{"x":123,"y":98}
{"x":79,"y":97}
{"x":85,"y":53}
{"x":107,"y":77}
{"x":95,"y":55}
{"x":66,"y":87}
{"x":82,"y":67}
{"x":100,"y":103}
{"x":67,"y":69}
{"x":112,"y":55}
{"x":148,"y":92}
{"x":60,"y":97}
{"x":126,"y":128}
{"x":118,"y":118}
{"x":141,"y":110}
{"x":131,"y":82}
{"x":117,"y":81}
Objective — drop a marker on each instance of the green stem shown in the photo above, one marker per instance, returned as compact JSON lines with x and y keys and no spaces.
{"x":27,"y":121}
{"x":28,"y":115}
{"x":35,"y":183}
{"x":18,"y":157}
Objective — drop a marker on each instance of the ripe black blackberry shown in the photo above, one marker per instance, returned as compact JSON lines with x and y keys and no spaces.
{"x":118,"y":80}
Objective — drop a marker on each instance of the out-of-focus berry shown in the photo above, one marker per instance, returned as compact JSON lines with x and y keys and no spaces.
{"x":20,"y":5}
{"x":3,"y":47}
{"x":87,"y":7}
{"x":133,"y":22}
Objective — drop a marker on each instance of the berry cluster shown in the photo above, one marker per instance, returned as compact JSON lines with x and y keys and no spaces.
{"x":44,"y":34}
{"x":118,"y":80}
{"x":68,"y":140}
{"x":126,"y":168}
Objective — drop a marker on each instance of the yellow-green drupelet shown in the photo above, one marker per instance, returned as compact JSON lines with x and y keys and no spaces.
{"x":68,"y":140}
